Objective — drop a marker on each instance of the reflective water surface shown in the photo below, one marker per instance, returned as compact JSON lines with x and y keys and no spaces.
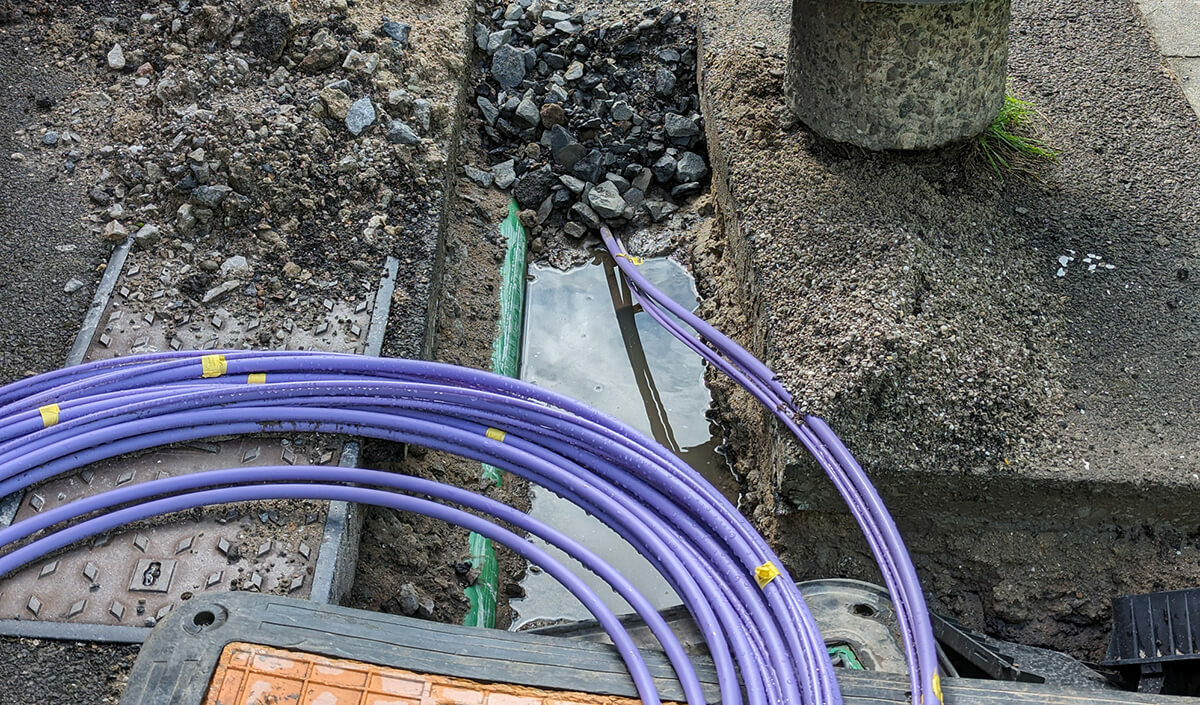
{"x":584,"y":338}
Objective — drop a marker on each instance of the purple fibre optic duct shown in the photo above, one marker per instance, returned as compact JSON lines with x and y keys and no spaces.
{"x":225,"y":415}
{"x":642,"y":679}
{"x":862,"y":496}
{"x":814,"y":445}
{"x":400,"y":369}
{"x":405,"y":483}
{"x":32,"y":455}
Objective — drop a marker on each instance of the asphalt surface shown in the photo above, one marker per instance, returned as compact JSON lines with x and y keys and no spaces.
{"x":42,"y":246}
{"x":43,"y":243}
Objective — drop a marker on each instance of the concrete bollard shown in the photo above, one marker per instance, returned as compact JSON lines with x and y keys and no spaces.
{"x":884,"y":75}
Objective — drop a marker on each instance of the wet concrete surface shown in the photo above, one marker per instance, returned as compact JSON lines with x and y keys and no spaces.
{"x":584,"y":339}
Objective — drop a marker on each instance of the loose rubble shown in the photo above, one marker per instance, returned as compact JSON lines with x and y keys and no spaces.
{"x":587,"y":121}
{"x":305,"y":142}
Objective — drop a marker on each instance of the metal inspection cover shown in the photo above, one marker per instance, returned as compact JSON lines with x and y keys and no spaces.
{"x":117,"y":585}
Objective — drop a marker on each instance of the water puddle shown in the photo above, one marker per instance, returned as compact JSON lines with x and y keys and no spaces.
{"x":585,"y":339}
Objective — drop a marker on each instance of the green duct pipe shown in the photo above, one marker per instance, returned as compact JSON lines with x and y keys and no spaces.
{"x":506,"y":360}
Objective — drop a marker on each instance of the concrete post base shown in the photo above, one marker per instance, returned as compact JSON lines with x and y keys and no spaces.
{"x":897,"y":76}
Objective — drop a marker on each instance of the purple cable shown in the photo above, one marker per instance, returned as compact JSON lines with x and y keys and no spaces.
{"x":839,"y":464}
{"x":642,"y":679}
{"x":120,"y":378}
{"x":405,"y":483}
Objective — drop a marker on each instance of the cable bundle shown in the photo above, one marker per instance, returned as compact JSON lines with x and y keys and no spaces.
{"x":828,"y":450}
{"x":753,"y":619}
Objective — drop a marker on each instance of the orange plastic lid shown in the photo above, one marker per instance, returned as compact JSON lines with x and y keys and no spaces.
{"x":250,"y":674}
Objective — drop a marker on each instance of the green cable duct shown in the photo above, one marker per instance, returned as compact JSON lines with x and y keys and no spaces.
{"x":506,"y":360}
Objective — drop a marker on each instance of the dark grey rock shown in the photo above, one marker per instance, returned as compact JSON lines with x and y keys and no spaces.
{"x":690,"y":167}
{"x":505,"y":173}
{"x":591,"y":167}
{"x":670,"y":56}
{"x":534,"y":187}
{"x":679,"y":126}
{"x":50,"y":138}
{"x":210,"y":196}
{"x":361,"y":116}
{"x":488,"y":109}
{"x":398,"y":31}
{"x":685,"y":190}
{"x":658,"y":211}
{"x":407,"y":600}
{"x":606,"y":200}
{"x":508,"y":66}
{"x":554,"y":61}
{"x":641,"y":181}
{"x":552,"y":17}
{"x":479,"y":176}
{"x":664,"y":81}
{"x":498,"y":39}
{"x":573,"y":184}
{"x":619,"y":181}
{"x":481,"y":36}
{"x":564,"y":147}
{"x":268,"y":31}
{"x":147,"y":235}
{"x":621,"y":112}
{"x":99,"y":196}
{"x":528,"y":113}
{"x":634,"y":197}
{"x":400,"y":133}
{"x":664,"y":169}
{"x":582,"y":213}
{"x":575,"y":230}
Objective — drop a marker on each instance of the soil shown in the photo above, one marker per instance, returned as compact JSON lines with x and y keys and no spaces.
{"x":915,"y":302}
{"x":398,"y":548}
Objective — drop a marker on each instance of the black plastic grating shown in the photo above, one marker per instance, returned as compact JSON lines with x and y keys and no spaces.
{"x":1154,"y":628}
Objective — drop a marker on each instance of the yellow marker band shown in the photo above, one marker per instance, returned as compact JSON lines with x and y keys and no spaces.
{"x":49,"y":415}
{"x":634,"y":260}
{"x":937,"y":687}
{"x":765,"y":573}
{"x":496,"y":434}
{"x":256,"y":378}
{"x":213,"y":365}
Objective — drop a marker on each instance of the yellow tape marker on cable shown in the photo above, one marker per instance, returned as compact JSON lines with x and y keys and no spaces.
{"x":496,"y":434}
{"x":634,"y":260}
{"x":256,"y":378}
{"x":49,"y":415}
{"x":937,"y":688}
{"x":765,"y":573}
{"x":213,"y":365}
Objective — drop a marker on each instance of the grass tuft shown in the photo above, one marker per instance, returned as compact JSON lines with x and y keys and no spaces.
{"x":1006,"y":144}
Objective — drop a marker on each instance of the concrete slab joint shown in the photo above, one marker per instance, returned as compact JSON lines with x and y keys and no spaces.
{"x":886,"y":75}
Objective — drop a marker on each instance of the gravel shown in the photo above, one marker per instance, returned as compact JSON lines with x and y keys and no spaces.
{"x":596,"y":96}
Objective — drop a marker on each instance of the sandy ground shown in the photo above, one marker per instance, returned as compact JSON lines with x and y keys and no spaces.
{"x":914,"y":302}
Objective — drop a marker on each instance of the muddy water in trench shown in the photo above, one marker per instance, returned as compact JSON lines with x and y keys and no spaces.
{"x":584,"y":338}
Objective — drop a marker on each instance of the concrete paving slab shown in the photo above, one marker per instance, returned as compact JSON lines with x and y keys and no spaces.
{"x":1175,"y":24}
{"x":1188,"y":71}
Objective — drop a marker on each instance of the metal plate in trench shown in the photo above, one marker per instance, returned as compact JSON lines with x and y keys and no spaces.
{"x":118,"y":584}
